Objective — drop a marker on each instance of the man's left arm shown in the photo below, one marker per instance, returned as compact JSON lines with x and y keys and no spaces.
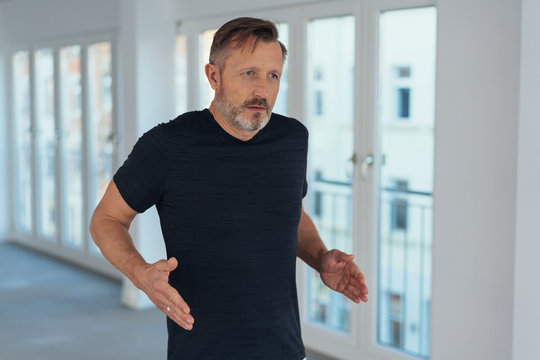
{"x":336,"y":268}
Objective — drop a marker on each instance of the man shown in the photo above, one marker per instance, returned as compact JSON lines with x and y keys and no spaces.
{"x":228,"y":184}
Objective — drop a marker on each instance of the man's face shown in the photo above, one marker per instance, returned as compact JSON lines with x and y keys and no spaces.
{"x":249,"y":84}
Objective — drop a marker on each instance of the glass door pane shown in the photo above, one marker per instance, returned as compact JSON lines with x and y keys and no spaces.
{"x":46,"y":142}
{"x":331,"y":122}
{"x":281,"y":105}
{"x":181,"y":71}
{"x":406,"y":125}
{"x":101,"y":130}
{"x":71,"y":145}
{"x":23,"y":140}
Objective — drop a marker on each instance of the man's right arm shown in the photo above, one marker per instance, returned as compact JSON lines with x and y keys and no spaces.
{"x":109,"y":228}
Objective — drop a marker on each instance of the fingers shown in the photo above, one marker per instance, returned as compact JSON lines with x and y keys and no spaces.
{"x":346,"y":257}
{"x":186,"y":321}
{"x":174,"y":306}
{"x":173,"y":263}
{"x":353,"y":284}
{"x":166,"y":265}
{"x":164,"y":296}
{"x":162,"y":265}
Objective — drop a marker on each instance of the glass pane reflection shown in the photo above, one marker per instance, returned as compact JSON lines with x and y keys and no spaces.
{"x":331,"y":108}
{"x":100,"y":110}
{"x":23,"y":140}
{"x":406,"y":124}
{"x":46,"y":141}
{"x":70,"y":62}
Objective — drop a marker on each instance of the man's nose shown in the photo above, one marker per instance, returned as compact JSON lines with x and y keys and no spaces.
{"x":261,"y":88}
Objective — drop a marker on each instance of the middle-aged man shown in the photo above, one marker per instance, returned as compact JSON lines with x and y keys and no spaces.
{"x":228,"y":184}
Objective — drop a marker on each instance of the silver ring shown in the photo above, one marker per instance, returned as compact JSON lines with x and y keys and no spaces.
{"x":168,"y":309}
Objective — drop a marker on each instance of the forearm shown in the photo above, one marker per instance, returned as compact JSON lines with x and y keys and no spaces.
{"x":116,"y":245}
{"x":310,"y":244}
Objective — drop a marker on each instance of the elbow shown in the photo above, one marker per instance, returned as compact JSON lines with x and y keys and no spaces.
{"x":93,"y":227}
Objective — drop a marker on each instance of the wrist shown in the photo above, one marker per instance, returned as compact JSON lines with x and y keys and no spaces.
{"x":319,"y":259}
{"x":134,"y":270}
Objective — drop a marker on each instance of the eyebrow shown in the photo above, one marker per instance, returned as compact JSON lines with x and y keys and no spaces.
{"x":257,"y":68}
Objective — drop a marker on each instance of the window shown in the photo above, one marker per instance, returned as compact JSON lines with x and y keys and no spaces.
{"x":65,"y":143}
{"x":23,"y":140}
{"x":331,"y":52}
{"x":46,"y":141}
{"x":71,"y":144}
{"x":406,"y":206}
{"x":398,"y":208}
{"x":102,"y":134}
{"x":206,"y":93}
{"x":181,"y":84}
{"x":358,"y":97}
{"x":403,"y":105}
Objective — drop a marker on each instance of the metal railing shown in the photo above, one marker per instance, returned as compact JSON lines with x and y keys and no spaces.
{"x":404,"y":242}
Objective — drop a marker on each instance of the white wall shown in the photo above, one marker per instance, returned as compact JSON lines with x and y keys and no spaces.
{"x":204,"y":8}
{"x":475,"y":178}
{"x":4,"y":209}
{"x":526,"y":291}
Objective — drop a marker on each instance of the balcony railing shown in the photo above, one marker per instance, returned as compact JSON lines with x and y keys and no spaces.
{"x":404,"y":258}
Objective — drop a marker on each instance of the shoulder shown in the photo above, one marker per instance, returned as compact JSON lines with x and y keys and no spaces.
{"x":185,"y":122}
{"x":291,"y":125}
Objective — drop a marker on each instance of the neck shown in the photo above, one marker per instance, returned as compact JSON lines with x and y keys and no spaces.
{"x":226,"y":125}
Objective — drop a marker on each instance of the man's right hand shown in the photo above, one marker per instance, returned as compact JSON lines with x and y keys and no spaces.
{"x":153,"y":279}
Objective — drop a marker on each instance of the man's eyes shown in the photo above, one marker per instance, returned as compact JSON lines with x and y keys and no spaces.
{"x":251,"y":73}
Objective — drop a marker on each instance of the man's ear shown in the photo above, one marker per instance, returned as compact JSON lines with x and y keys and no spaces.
{"x":213,"y":75}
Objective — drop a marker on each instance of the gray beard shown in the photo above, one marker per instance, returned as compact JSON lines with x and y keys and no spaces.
{"x":234,"y":114}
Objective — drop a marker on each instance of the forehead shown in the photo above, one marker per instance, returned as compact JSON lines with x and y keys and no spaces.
{"x":257,"y":53}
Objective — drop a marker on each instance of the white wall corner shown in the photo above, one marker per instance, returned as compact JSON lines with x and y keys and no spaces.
{"x":4,"y":185}
{"x":526,"y":312}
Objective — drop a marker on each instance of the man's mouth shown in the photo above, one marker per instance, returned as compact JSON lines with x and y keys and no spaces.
{"x":257,"y":105}
{"x":256,"y":108}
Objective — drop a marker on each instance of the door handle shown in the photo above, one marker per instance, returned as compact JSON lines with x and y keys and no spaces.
{"x":365,"y":164}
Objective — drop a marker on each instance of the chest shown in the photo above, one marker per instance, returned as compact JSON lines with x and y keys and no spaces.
{"x":234,"y":184}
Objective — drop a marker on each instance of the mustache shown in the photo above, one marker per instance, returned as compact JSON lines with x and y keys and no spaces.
{"x":257,"y":102}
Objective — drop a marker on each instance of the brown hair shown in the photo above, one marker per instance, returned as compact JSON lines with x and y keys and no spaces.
{"x":236,"y":33}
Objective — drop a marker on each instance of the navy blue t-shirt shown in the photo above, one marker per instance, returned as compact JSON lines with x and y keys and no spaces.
{"x":229,"y":211}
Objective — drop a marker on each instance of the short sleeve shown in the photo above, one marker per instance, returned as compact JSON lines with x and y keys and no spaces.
{"x":304,"y":191}
{"x":141,"y":179}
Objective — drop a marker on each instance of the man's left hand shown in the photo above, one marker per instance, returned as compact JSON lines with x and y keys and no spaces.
{"x":340,"y":273}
